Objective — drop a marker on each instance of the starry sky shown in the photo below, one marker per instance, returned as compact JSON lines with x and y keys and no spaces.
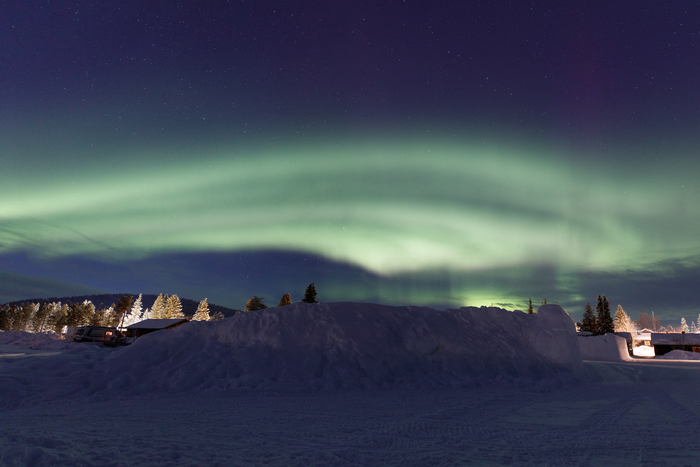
{"x":442,"y":153}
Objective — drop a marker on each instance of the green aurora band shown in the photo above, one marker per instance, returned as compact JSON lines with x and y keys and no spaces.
{"x":393,"y":207}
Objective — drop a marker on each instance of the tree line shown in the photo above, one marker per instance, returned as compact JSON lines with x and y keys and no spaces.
{"x":601,"y":322}
{"x":55,"y":316}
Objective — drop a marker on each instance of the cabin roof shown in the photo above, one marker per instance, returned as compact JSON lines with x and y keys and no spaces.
{"x":156,"y":323}
{"x":675,"y":338}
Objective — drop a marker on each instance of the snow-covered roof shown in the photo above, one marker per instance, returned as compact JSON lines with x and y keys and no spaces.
{"x":156,"y":323}
{"x":675,"y":338}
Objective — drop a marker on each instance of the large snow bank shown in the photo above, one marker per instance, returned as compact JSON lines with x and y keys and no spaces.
{"x":308,"y":347}
{"x":607,"y":348}
{"x":349,"y":345}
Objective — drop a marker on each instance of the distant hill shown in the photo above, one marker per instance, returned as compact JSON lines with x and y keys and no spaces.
{"x":189,"y":307}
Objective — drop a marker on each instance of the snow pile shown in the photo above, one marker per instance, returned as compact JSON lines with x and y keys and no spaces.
{"x":352,"y":345}
{"x":607,"y":348}
{"x":41,"y":340}
{"x":680,"y":355}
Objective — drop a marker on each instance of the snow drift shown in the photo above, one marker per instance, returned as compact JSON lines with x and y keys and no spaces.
{"x":41,"y":340}
{"x":309,"y":347}
{"x":680,"y":355}
{"x":354,"y":345}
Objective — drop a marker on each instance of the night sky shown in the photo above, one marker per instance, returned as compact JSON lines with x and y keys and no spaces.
{"x":442,"y":153}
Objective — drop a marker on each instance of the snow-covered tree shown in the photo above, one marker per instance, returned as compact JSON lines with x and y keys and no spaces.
{"x":24,"y":318}
{"x":102,"y":316}
{"x":59,"y":317}
{"x":202,"y":313}
{"x":255,"y":304}
{"x":137,"y":306}
{"x":693,"y":327}
{"x":158,"y":308}
{"x":217,"y":316}
{"x":310,"y":294}
{"x":54,"y":315}
{"x":41,"y":316}
{"x":173,"y":308}
{"x":134,"y":314}
{"x":79,"y":314}
{"x":622,"y":321}
{"x":589,"y":323}
{"x":684,"y":326}
{"x":285,"y":300}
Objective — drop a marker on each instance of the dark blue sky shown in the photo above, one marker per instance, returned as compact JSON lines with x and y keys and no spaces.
{"x":445,"y":153}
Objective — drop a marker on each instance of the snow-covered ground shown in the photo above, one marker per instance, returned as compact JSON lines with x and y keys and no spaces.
{"x":345,"y":384}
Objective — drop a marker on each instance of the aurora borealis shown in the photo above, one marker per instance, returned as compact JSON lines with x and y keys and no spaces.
{"x":248,"y":150}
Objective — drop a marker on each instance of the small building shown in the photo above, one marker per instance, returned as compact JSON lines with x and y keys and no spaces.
{"x":151,"y":325}
{"x":665,"y":342}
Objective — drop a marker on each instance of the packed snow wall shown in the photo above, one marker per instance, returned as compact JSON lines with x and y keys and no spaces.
{"x":353,"y":345}
{"x":607,"y":348}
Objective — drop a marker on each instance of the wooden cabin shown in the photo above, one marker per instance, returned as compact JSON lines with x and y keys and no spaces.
{"x":665,"y":342}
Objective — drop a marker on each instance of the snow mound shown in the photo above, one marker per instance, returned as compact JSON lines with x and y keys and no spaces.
{"x":41,"y":340}
{"x":680,"y":355}
{"x":607,"y":348}
{"x":352,"y":345}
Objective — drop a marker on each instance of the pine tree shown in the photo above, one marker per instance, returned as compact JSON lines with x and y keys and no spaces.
{"x":202,"y":313}
{"x":134,"y":315}
{"x":12,"y":317}
{"x":173,"y":308}
{"x":589,"y":323}
{"x":693,"y":327}
{"x":60,"y":317}
{"x":310,"y":294}
{"x":605,"y":322}
{"x":82,"y":313}
{"x":38,"y":321}
{"x":101,"y":316}
{"x":120,"y":311}
{"x":285,"y":300}
{"x":530,"y":310}
{"x":137,"y":306}
{"x":5,"y":319}
{"x":158,"y":308}
{"x":26,"y":313}
{"x":621,"y":323}
{"x":255,"y":304}
{"x":684,"y":326}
